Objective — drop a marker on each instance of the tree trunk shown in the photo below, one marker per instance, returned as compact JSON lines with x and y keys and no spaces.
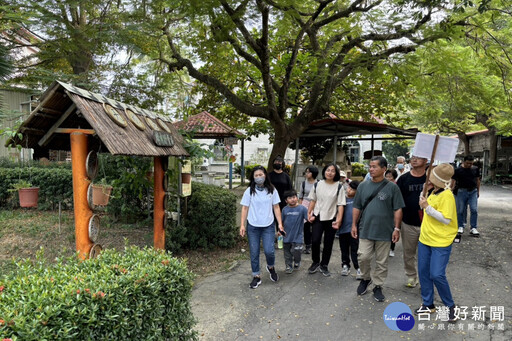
{"x":280,"y":144}
{"x":493,"y":153}
{"x":465,"y":140}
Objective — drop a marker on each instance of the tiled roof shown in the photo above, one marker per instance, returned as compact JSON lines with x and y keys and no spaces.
{"x":205,"y":125}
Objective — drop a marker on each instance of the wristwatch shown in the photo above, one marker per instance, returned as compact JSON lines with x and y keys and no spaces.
{"x":397,"y":229}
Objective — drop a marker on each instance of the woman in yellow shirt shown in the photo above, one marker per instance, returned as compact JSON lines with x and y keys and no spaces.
{"x":438,"y":229}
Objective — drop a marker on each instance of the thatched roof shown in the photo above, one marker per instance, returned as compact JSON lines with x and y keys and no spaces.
{"x":64,"y":106}
{"x":205,"y":125}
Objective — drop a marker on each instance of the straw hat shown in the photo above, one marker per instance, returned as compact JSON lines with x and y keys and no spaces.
{"x":343,"y":174}
{"x":441,"y":175}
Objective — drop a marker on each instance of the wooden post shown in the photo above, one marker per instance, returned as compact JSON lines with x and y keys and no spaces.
{"x":80,"y":185}
{"x":432,"y":158}
{"x":158,"y":205}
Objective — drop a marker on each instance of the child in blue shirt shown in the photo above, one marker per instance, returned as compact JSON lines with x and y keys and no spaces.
{"x":293,"y":217}
{"x":348,"y":244}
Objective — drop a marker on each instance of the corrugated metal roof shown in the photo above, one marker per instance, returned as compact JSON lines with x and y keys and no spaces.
{"x":88,"y":111}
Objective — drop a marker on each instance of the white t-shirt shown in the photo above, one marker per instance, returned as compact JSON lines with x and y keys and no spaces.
{"x":260,"y":205}
{"x":327,"y":201}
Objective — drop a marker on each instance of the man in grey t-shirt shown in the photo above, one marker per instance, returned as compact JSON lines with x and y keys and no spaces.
{"x":379,"y":225}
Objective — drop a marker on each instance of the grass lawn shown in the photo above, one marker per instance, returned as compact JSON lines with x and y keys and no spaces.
{"x":23,"y":232}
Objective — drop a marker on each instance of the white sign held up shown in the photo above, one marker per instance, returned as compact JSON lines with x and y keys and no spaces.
{"x":446,"y":147}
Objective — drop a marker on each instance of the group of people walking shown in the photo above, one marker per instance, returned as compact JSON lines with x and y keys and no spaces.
{"x":367,"y":218}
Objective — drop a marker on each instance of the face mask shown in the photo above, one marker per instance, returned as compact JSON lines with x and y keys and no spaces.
{"x":260,"y":180}
{"x":278,"y":166}
{"x":400,"y":166}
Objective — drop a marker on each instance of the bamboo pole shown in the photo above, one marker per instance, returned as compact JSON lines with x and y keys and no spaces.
{"x":80,"y":185}
{"x":432,"y":158}
{"x":158,"y":206}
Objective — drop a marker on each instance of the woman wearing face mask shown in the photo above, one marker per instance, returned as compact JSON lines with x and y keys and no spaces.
{"x":280,"y":179}
{"x":325,"y":211}
{"x":259,"y":205}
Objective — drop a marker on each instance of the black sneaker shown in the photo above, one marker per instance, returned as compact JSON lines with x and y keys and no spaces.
{"x":273,"y":275}
{"x":452,"y":318}
{"x":324,"y":270}
{"x":307,"y":250}
{"x":428,"y":309}
{"x":255,"y":282}
{"x":377,"y":294}
{"x":314,"y":268}
{"x":363,"y":286}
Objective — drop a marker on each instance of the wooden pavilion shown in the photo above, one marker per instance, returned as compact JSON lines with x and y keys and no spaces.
{"x":206,"y":126}
{"x":83,"y":122}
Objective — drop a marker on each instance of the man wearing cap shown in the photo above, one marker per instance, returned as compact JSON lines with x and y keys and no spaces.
{"x":411,"y":185}
{"x":467,"y":181}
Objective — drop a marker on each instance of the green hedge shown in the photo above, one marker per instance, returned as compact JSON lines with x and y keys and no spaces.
{"x":135,"y":295}
{"x":55,"y":184}
{"x":210,"y":220}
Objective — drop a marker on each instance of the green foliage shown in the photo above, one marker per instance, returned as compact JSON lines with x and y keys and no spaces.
{"x":358,"y":169}
{"x":392,"y":150}
{"x":54,"y":184}
{"x":21,"y":184}
{"x":314,"y":148}
{"x":210,"y":219}
{"x":132,"y":182}
{"x":133,"y":295}
{"x":249,"y":169}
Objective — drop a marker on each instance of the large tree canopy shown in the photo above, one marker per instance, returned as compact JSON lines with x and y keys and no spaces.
{"x":464,"y":84}
{"x":290,"y":62}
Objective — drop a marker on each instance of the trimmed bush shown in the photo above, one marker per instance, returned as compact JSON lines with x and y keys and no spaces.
{"x":210,"y":219}
{"x":134,"y":295}
{"x":248,"y":170}
{"x":358,"y":169}
{"x":55,"y":184}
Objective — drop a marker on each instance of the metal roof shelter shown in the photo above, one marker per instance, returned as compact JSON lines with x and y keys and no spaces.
{"x":336,"y":128}
{"x":331,"y":127}
{"x":70,"y":118}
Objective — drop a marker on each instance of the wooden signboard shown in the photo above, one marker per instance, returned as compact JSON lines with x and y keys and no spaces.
{"x":163,"y":139}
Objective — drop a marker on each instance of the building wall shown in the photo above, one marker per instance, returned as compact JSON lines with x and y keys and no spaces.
{"x":15,"y":104}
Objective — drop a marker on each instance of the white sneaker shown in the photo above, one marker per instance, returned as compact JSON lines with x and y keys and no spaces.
{"x":474,"y":232}
{"x":359,"y":275}
{"x":345,"y":271}
{"x":461,"y":230}
{"x":391,"y":253}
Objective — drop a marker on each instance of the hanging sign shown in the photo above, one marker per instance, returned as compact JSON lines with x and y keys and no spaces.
{"x":230,"y":141}
{"x":446,"y":147}
{"x":163,"y":139}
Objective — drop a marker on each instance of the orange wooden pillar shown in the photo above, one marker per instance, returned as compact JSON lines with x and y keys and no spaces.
{"x":83,"y":213}
{"x":158,"y":206}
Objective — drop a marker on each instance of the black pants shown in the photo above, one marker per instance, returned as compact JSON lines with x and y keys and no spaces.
{"x":325,"y":228}
{"x":349,"y":247}
{"x":307,"y":233}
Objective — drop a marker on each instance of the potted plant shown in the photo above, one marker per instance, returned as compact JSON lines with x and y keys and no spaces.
{"x":27,"y":194}
{"x":101,"y":193}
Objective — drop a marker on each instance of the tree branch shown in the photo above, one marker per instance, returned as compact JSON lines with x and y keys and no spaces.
{"x":243,"y":106}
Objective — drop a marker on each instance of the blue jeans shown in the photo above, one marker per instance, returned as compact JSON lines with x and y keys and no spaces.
{"x":463,"y":199}
{"x":432,"y":262}
{"x":266,"y":235}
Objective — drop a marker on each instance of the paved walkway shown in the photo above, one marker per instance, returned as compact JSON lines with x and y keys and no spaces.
{"x":313,"y":307}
